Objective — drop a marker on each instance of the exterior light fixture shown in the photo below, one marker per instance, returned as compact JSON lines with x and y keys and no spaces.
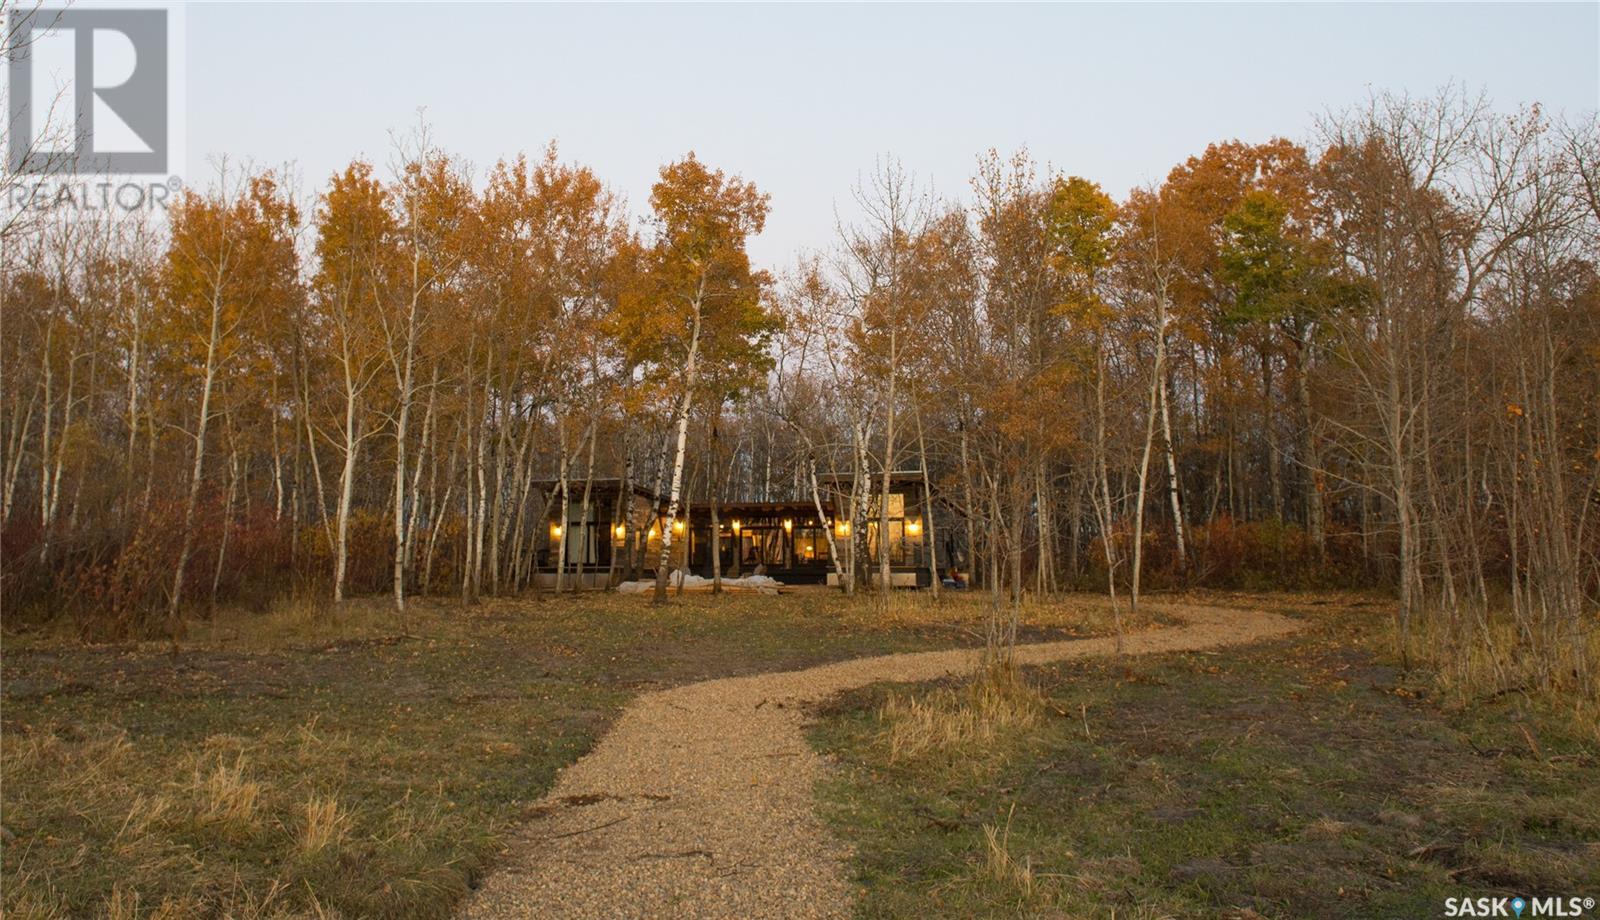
{"x":913,"y":527}
{"x":677,"y":527}
{"x":736,"y":526}
{"x":622,"y":531}
{"x":842,"y":528}
{"x":788,"y":525}
{"x":555,"y":531}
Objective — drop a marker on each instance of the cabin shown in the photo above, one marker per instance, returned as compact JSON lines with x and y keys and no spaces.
{"x":593,"y":550}
{"x":620,"y":537}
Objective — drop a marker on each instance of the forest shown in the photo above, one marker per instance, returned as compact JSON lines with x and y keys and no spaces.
{"x":1366,"y":359}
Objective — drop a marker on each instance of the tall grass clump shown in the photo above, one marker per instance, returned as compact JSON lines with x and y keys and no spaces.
{"x":1472,"y":655}
{"x":994,"y":702}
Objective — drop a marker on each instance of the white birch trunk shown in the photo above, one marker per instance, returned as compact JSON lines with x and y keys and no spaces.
{"x":691,"y":370}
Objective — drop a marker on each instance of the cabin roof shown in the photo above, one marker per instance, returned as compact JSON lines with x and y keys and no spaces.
{"x":726,"y":510}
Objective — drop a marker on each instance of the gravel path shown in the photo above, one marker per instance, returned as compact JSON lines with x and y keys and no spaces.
{"x":698,"y":803}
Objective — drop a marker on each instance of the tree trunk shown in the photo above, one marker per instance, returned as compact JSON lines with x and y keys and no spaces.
{"x":311,"y":444}
{"x":1151,"y":410}
{"x":927,"y":511}
{"x":497,"y":515}
{"x":713,"y":486}
{"x":1182,"y":555}
{"x":691,"y":370}
{"x":227,"y":517}
{"x":352,"y":446}
{"x":972,"y":509}
{"x":425,"y":451}
{"x":586,"y":533}
{"x":481,"y":518}
{"x":827,"y":525}
{"x":885,"y":585}
{"x":1270,"y":426}
{"x":197,"y":472}
{"x":1312,"y":473}
{"x":559,"y":532}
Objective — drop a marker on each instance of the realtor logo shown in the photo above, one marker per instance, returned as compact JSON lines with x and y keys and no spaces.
{"x":116,"y":102}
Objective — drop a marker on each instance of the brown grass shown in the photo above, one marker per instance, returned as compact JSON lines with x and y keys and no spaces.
{"x":1001,"y":866}
{"x":950,"y":720}
{"x":143,"y":813}
{"x":1252,"y":782}
{"x":308,"y":620}
{"x":1463,"y":658}
{"x":1469,"y":660}
{"x":227,"y":798}
{"x":156,"y":819}
{"x":324,"y":826}
{"x":1061,"y":615}
{"x":318,"y":759}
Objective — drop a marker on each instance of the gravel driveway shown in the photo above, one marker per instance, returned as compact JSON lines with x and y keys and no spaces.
{"x":698,"y":803}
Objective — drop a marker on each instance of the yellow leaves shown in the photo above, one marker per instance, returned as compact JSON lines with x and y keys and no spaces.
{"x":1513,"y":410}
{"x":1081,"y":220}
{"x":698,"y":270}
{"x":230,"y":258}
{"x":353,"y":227}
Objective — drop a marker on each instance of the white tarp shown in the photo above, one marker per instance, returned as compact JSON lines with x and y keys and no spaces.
{"x":761,"y":584}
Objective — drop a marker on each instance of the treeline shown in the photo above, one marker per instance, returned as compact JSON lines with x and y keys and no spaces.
{"x":1374,"y":359}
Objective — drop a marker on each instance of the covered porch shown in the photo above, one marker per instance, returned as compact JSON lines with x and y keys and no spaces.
{"x":786,"y":540}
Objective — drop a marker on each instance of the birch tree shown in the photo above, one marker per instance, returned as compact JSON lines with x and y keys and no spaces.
{"x":354,"y":233}
{"x":702,"y":301}
{"x":230,"y":252}
{"x":432,"y":201}
{"x":875,"y":272}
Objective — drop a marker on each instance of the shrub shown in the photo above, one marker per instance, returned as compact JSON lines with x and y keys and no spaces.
{"x":116,"y":584}
{"x":1227,"y":553}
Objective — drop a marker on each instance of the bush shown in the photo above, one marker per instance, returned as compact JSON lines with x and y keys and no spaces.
{"x":369,"y":553}
{"x":116,"y":584}
{"x":1226,"y":553}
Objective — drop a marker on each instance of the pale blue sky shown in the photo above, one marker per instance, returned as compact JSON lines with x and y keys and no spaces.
{"x":802,"y":98}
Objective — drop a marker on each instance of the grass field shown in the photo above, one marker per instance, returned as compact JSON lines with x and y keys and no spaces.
{"x":320,"y":762}
{"x":1301,"y":778}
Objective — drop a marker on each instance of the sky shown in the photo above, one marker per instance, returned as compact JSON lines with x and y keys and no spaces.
{"x":802,"y":99}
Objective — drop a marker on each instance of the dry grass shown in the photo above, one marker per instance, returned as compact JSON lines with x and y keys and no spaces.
{"x":308,"y":620}
{"x":226,"y":798}
{"x":305,"y":619}
{"x":968,"y":611}
{"x":1326,"y":828}
{"x":325,"y":825}
{"x":1002,"y":867}
{"x":320,"y":759}
{"x":203,"y":831}
{"x":1255,"y":782}
{"x":951,"y":720}
{"x":143,"y":813}
{"x":35,"y":897}
{"x":1468,"y":660}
